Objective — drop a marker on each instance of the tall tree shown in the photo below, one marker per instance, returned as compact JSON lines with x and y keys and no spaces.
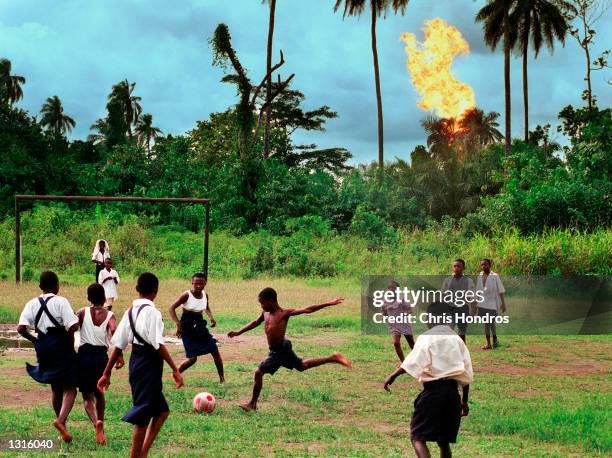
{"x":495,"y":16}
{"x":538,"y":22}
{"x":586,"y":13}
{"x":269,"y":76}
{"x":146,"y":131}
{"x":10,"y":85}
{"x":54,"y":118}
{"x":123,"y":93}
{"x":378,"y":8}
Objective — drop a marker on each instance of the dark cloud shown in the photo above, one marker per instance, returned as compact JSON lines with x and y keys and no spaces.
{"x":79,"y":52}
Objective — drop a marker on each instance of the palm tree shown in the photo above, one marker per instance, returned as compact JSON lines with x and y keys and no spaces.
{"x":441,"y":136}
{"x":538,"y":21}
{"x":53,"y":117}
{"x":146,"y":131}
{"x":101,"y":126}
{"x":377,"y":8}
{"x":122,"y":92}
{"x":10,"y":85}
{"x":495,"y":16}
{"x":479,"y":129}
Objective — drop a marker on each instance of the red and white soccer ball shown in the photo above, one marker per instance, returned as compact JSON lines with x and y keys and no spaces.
{"x":204,"y":402}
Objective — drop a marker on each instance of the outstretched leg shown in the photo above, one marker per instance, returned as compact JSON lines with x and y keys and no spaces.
{"x":397,"y":344}
{"x":187,"y":364}
{"x":257,"y":384}
{"x":335,"y":358}
{"x":152,"y":431}
{"x":420,"y":447}
{"x":445,"y":450}
{"x":218,"y":364}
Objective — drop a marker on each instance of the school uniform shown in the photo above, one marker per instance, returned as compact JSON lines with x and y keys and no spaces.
{"x":461,"y":284}
{"x":441,"y":362}
{"x":491,"y":303}
{"x":93,"y":351}
{"x":100,"y":257}
{"x":52,"y":316}
{"x":143,"y":327}
{"x":110,"y":286}
{"x":196,"y":337}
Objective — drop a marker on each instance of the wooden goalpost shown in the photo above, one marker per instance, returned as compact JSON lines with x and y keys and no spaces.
{"x":183,"y":200}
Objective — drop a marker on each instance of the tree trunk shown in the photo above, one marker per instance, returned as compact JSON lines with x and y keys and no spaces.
{"x":507,"y":81}
{"x":588,"y":77}
{"x":526,"y":90}
{"x":269,"y":78}
{"x":381,"y":154}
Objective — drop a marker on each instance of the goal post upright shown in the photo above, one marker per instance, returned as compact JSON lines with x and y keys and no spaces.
{"x":181,"y":200}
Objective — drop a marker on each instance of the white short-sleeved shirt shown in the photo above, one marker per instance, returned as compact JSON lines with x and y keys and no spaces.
{"x":58,"y":306}
{"x":437,"y":354}
{"x":491,"y":291}
{"x":110,"y":287}
{"x":149,"y":325}
{"x":101,"y":257}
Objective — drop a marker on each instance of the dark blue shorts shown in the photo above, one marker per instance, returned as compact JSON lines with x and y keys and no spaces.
{"x":281,"y":355}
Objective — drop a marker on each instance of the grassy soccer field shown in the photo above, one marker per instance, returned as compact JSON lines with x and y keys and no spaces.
{"x":534,"y":396}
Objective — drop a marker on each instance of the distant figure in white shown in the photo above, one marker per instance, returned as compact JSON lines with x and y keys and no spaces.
{"x":101,"y":251}
{"x":109,"y":279}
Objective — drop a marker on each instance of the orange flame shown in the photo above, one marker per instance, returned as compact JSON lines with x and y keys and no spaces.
{"x":429,"y":65}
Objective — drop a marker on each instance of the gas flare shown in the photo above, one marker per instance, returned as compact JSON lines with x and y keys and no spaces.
{"x":429,"y":65}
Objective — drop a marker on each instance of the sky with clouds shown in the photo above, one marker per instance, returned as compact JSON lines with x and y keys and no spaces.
{"x":78,"y":50}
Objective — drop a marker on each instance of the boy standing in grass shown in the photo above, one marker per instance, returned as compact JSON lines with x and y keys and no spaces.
{"x":397,"y":330}
{"x":55,"y":324}
{"x":97,"y":324}
{"x":459,"y":285}
{"x":493,"y":292}
{"x":142,"y":325}
{"x":281,"y":352}
{"x":441,"y":362}
{"x":196,"y":337}
{"x":109,"y":279}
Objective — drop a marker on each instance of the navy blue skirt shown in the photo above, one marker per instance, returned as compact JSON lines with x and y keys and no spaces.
{"x":92,"y":361}
{"x":437,"y":412}
{"x":146,"y":370}
{"x":57,"y":360}
{"x":197,"y":339}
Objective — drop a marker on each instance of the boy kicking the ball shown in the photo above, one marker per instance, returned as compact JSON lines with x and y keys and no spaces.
{"x":142,"y":325}
{"x":192,"y":328}
{"x":281,"y":353}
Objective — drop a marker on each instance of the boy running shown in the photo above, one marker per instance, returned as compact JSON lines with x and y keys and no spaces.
{"x":281,"y":352}
{"x":197,"y":339}
{"x":96,"y":324}
{"x":55,"y":323}
{"x":441,"y":362}
{"x":397,"y":330}
{"x":142,"y":325}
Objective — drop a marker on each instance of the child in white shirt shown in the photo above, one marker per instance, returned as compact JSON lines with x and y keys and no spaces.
{"x":109,"y":279}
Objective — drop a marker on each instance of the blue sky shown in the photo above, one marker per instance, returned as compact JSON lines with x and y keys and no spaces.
{"x":78,"y":50}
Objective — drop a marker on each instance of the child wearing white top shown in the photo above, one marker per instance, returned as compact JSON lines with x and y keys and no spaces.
{"x":192,"y":328}
{"x":97,"y":324}
{"x":441,"y":362}
{"x":100,"y":252}
{"x":493,"y":292}
{"x":109,"y":279}
{"x":143,"y":327}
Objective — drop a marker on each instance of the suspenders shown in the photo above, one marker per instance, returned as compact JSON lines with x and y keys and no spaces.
{"x":43,"y":308}
{"x":133,"y":325}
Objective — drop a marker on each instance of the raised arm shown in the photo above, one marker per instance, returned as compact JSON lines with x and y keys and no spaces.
{"x":314,"y":308}
{"x":172,"y":309}
{"x":252,"y":325}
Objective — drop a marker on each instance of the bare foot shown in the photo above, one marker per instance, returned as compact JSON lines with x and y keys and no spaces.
{"x":342,"y":360}
{"x":487,"y":347}
{"x":100,"y":437}
{"x":248,"y":407}
{"x":222,"y":380}
{"x":64,"y":434}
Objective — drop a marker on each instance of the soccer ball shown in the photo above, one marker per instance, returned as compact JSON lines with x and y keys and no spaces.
{"x":204,"y":402}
